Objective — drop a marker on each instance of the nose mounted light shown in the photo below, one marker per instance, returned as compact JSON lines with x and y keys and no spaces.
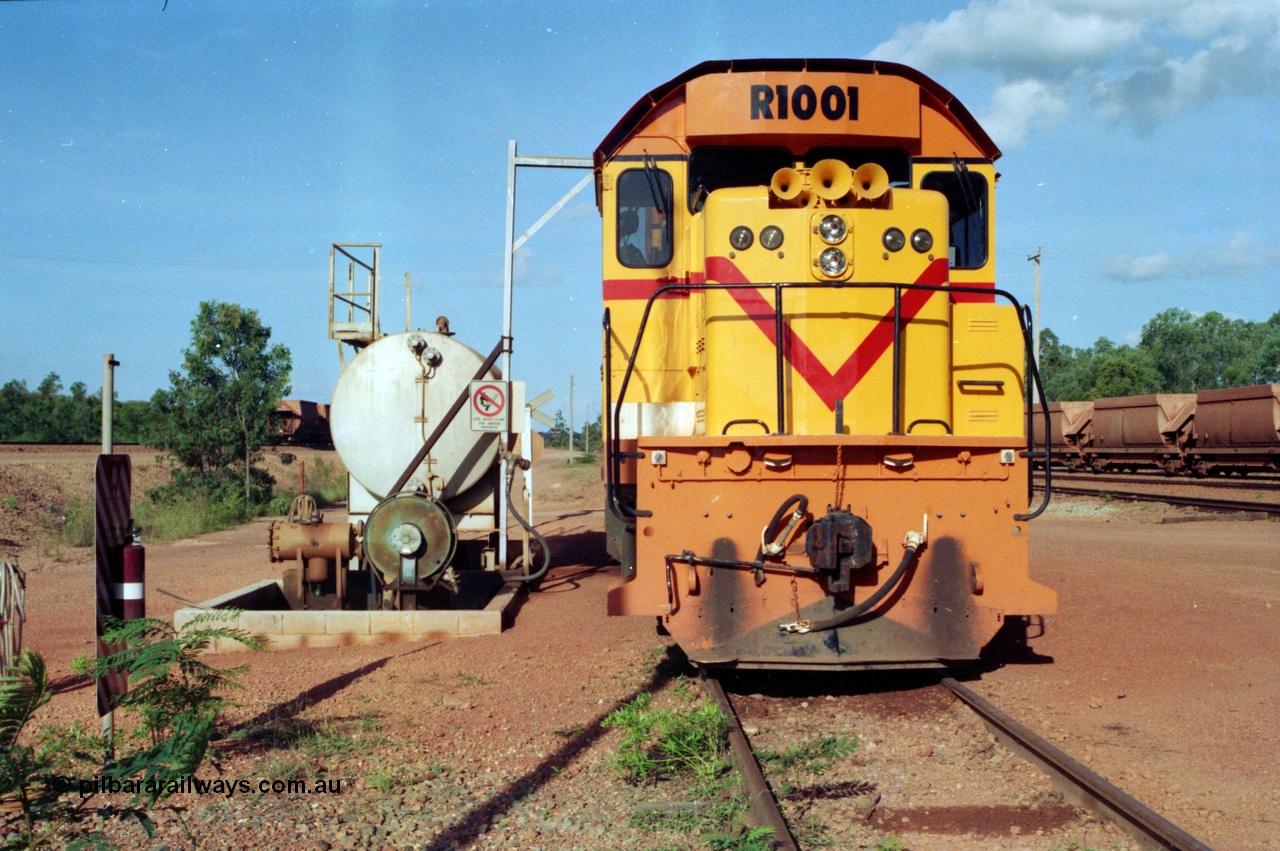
{"x":832,"y":262}
{"x":921,"y":240}
{"x":771,"y":237}
{"x":894,"y":239}
{"x":832,"y":229}
{"x":741,"y":237}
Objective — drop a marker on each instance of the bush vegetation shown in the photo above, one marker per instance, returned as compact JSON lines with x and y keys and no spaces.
{"x":174,"y":700}
{"x":212,"y":421}
{"x":1178,"y":352}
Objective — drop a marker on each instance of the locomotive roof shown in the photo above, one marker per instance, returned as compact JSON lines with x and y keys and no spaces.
{"x":650,"y":102}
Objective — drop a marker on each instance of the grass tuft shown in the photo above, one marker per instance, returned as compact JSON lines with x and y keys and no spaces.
{"x":659,"y":742}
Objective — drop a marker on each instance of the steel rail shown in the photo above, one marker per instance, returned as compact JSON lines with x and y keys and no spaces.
{"x":762,"y":807}
{"x":1194,"y":502}
{"x":1082,"y":786}
{"x":1253,"y":482}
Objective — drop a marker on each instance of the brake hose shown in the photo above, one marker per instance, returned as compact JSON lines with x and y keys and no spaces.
{"x":769,"y":545}
{"x":913,"y":543}
{"x":510,"y":576}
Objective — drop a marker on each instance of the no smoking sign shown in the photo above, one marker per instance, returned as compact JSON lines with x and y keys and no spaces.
{"x":489,"y":408}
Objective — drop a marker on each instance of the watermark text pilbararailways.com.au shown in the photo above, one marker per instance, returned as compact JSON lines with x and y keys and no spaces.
{"x":225,"y":787}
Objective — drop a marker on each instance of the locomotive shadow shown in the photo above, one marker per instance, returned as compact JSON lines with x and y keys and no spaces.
{"x":69,"y":683}
{"x":465,"y":831}
{"x":279,"y":726}
{"x":1010,"y":646}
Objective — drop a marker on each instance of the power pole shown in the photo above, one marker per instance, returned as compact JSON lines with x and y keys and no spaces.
{"x":571,"y":419}
{"x":1035,"y":258}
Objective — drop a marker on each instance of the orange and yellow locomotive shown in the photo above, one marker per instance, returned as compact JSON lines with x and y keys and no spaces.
{"x":817,"y":449}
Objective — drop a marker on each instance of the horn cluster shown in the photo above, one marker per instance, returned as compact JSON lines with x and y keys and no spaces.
{"x":830,"y":180}
{"x":788,"y":186}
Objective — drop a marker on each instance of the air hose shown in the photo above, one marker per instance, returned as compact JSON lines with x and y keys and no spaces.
{"x":913,"y":543}
{"x":515,"y":461}
{"x":771,"y":543}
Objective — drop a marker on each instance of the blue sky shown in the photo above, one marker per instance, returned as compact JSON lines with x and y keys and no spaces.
{"x":151,"y":159}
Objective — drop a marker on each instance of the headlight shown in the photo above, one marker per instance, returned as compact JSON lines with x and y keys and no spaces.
{"x":832,"y":229}
{"x":771,"y":237}
{"x":741,"y":237}
{"x":894,"y":239}
{"x":832,"y":262}
{"x":921,"y":240}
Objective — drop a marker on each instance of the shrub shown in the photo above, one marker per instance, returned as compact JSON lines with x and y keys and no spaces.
{"x":662,"y":741}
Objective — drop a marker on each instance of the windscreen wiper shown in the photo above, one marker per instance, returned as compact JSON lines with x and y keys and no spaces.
{"x":660,"y":199}
{"x":966,"y":187}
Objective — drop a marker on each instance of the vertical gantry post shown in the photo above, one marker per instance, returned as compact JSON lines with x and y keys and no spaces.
{"x":508,"y":281}
{"x":510,"y":247}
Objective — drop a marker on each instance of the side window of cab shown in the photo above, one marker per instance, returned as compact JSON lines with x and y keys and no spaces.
{"x":966,"y":193}
{"x":644,"y":218}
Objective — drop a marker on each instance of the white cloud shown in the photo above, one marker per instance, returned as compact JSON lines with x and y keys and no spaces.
{"x":1229,"y":65}
{"x":1036,"y":38}
{"x":1137,"y":62}
{"x":1239,"y":256}
{"x":1015,"y":107}
{"x":1127,"y":268}
{"x":1243,"y":253}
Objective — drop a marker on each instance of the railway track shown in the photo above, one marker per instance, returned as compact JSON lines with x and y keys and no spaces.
{"x":998,"y":797}
{"x":1253,"y":482}
{"x":1202,"y":502}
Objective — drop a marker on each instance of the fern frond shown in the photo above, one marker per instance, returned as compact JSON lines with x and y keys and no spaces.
{"x":24,"y":688}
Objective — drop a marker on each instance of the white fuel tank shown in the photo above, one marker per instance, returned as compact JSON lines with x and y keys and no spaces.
{"x":390,"y":399}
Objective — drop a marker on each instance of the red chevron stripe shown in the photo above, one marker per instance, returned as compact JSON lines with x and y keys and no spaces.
{"x":829,"y":386}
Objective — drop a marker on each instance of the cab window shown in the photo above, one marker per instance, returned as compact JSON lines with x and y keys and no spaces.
{"x":713,"y":168}
{"x":966,"y":193}
{"x":895,"y":161}
{"x":644,"y":218}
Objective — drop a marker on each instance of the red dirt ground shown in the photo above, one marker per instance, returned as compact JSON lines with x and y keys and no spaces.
{"x":1160,"y":672}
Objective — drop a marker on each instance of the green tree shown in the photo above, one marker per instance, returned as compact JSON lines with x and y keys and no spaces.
{"x":558,"y":437}
{"x":1065,"y":371}
{"x":133,"y":419}
{"x":590,"y":435}
{"x":1199,"y":352}
{"x":1263,"y":367}
{"x":13,"y":404}
{"x":1122,"y":371}
{"x":215,"y":415}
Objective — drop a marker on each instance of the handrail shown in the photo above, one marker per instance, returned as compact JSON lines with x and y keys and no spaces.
{"x":1033,"y":373}
{"x":1024,"y":320}
{"x":613,"y":465}
{"x":764,"y":425}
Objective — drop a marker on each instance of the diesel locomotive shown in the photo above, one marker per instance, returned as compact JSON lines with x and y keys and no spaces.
{"x":818,"y":448}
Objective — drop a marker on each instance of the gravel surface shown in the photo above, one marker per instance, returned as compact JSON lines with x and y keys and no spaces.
{"x":1159,"y":673}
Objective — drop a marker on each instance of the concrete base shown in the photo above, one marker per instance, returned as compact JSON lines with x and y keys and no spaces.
{"x":265,"y":614}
